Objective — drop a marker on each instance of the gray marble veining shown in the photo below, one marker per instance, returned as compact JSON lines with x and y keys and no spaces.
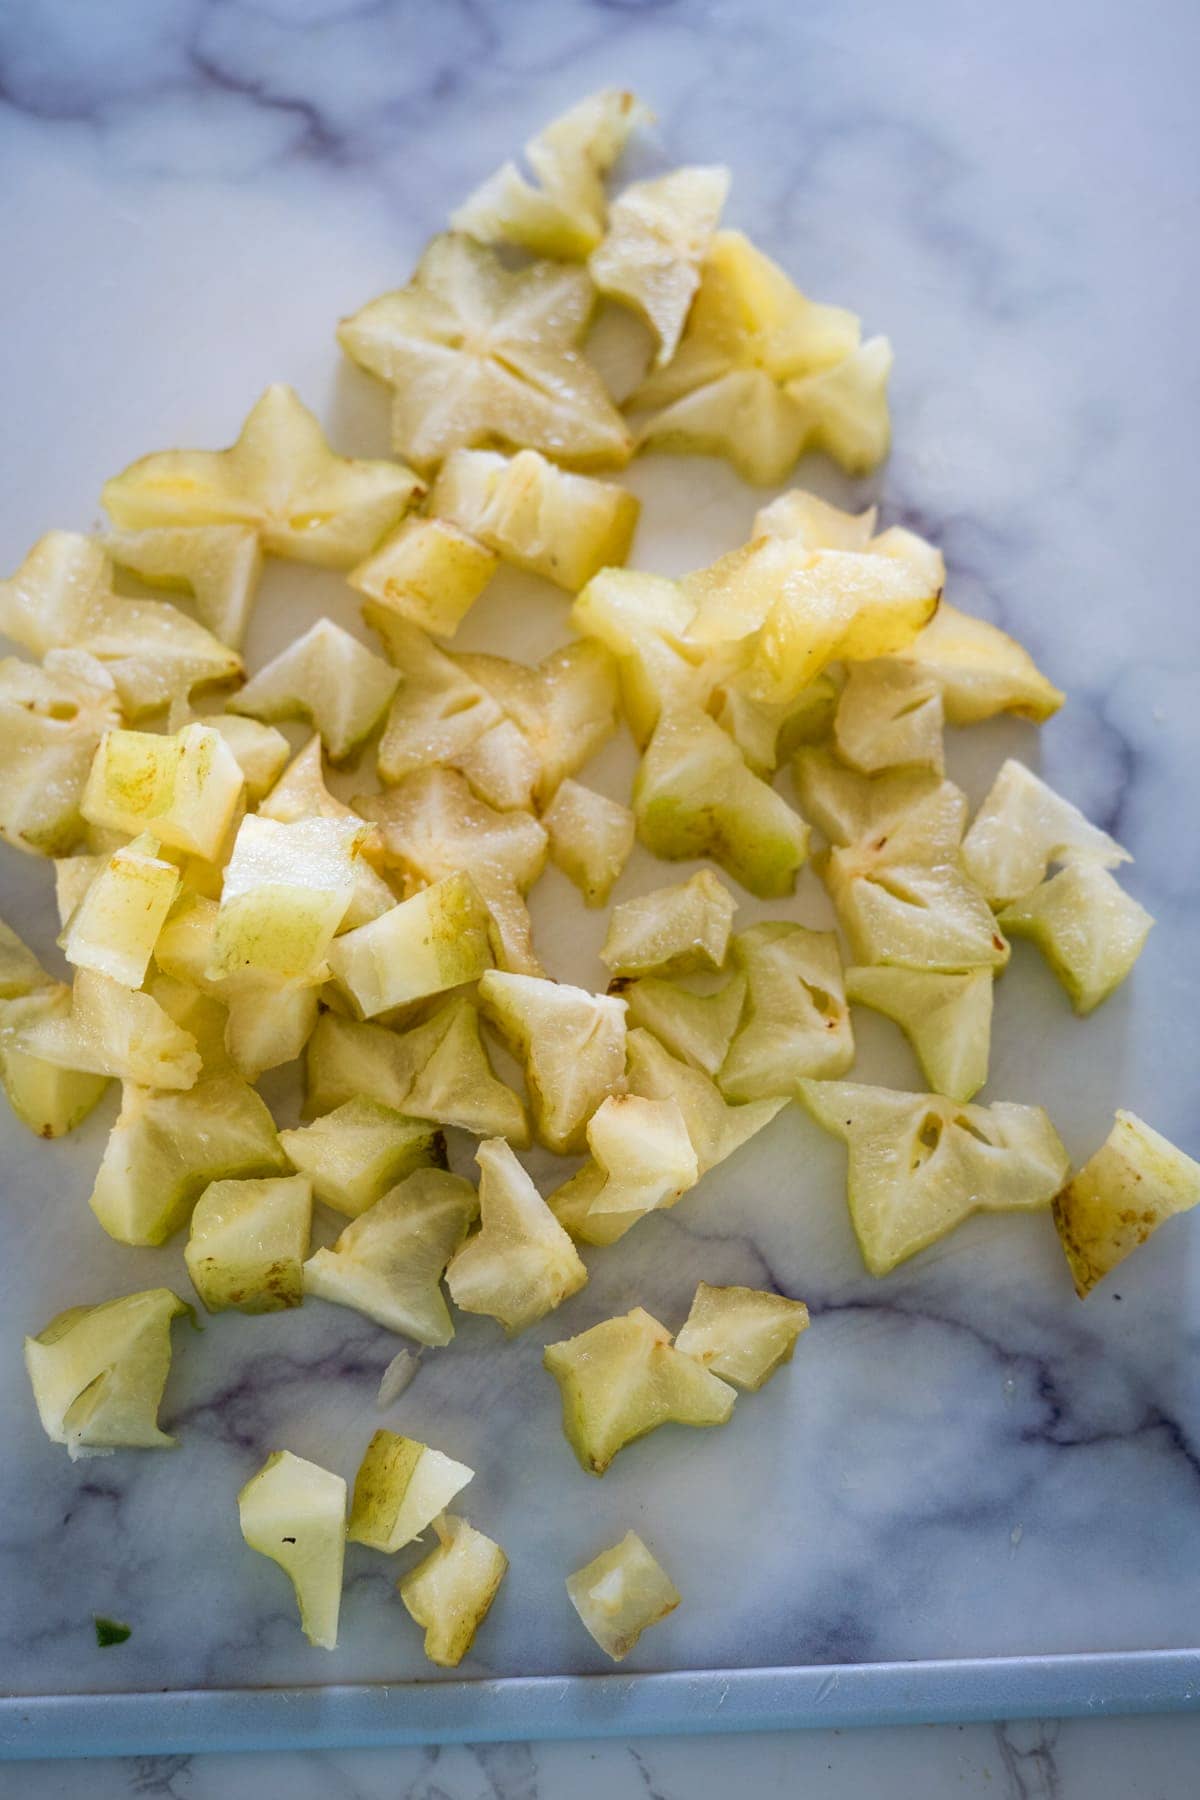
{"x":962,"y":1460}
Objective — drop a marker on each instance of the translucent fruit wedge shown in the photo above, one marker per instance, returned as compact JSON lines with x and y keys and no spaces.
{"x":590,"y":838}
{"x":49,"y":1100}
{"x":428,"y":572}
{"x":696,"y":1028}
{"x":437,"y":940}
{"x":1021,"y":828}
{"x":946,"y":1018}
{"x":620,"y":1593}
{"x":20,"y":970}
{"x":716,"y":1128}
{"x":113,"y":1030}
{"x":184,"y":789}
{"x":520,"y":1264}
{"x":642,"y":620}
{"x":114,"y":928}
{"x":565,"y":708}
{"x":645,"y":1159}
{"x":388,"y":1263}
{"x":572,"y":1044}
{"x":768,"y":731}
{"x":671,"y":931}
{"x":980,"y":671}
{"x":261,"y":752}
{"x":280,"y":477}
{"x":658,"y":236}
{"x":889,"y":715}
{"x":218,"y":565}
{"x":450,"y":1594}
{"x":1121,"y":1195}
{"x":353,"y":1155}
{"x":400,"y":1489}
{"x":51,"y":720}
{"x":622,"y":1379}
{"x":795,"y":1022}
{"x":1089,"y":929}
{"x":98,"y":1372}
{"x":295,"y":1512}
{"x":479,"y":354}
{"x":328,"y":678}
{"x":248,"y":1242}
{"x":742,"y":1334}
{"x":920,"y":1164}
{"x":285,"y":892}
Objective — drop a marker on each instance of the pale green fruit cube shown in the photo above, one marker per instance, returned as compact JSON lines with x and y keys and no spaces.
{"x":673,"y":930}
{"x":796,"y":1022}
{"x":715,"y":1127}
{"x":50,"y":1100}
{"x":1088,"y":928}
{"x":590,"y":838}
{"x":1021,"y":828}
{"x":295,"y":1512}
{"x":182,"y":789}
{"x":450,"y":1594}
{"x":520,"y":1264}
{"x":116,"y":924}
{"x":327,"y":678}
{"x":946,"y":1018}
{"x":572,"y":1044}
{"x":286,"y":890}
{"x":697,"y":1028}
{"x":1121,"y":1195}
{"x":353,"y":1155}
{"x":436,"y":940}
{"x":620,"y":1593}
{"x":643,"y":1151}
{"x":400,"y":1489}
{"x":742,"y":1334}
{"x":248,"y":1242}
{"x":429,"y":572}
{"x":98,"y":1372}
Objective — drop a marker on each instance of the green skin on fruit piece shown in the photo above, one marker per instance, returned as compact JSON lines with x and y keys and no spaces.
{"x":946,"y":1018}
{"x":1120,"y":1197}
{"x":436,"y":940}
{"x":620,"y":1593}
{"x":295,"y":1512}
{"x":451,"y":1592}
{"x":248,"y":1243}
{"x":98,"y":1372}
{"x":400,"y":1488}
{"x":742,"y":1334}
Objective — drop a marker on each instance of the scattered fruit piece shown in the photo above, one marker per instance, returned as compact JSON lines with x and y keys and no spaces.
{"x":645,"y":1158}
{"x":184,"y":789}
{"x":889,"y":716}
{"x":400,"y":1489}
{"x":538,"y":517}
{"x":572,"y":1044}
{"x":327,"y":677}
{"x":1122,"y":1194}
{"x":796,"y":1022}
{"x":51,"y":720}
{"x":219,"y":565}
{"x":353,"y":1155}
{"x":659,"y":233}
{"x":946,"y":1018}
{"x":295,"y":1512}
{"x":980,"y":670}
{"x":590,"y":838}
{"x":98,"y":1372}
{"x":520,"y":1264}
{"x":114,"y":928}
{"x":286,"y":890}
{"x":436,"y":940}
{"x":1089,"y":929}
{"x":671,"y":931}
{"x":428,"y":572}
{"x":620,"y":1593}
{"x":1021,"y":828}
{"x":715,"y":1128}
{"x":742,"y":1334}
{"x":248,"y":1242}
{"x":698,"y":1028}
{"x":450,"y":1594}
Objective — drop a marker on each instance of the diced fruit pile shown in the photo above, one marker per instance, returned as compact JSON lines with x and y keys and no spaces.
{"x":223,"y":913}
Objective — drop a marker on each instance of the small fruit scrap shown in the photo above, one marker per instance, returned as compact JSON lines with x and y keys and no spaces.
{"x":450,"y":1594}
{"x":520,"y":1264}
{"x":248,"y":1241}
{"x":400,"y":1489}
{"x":590,"y":838}
{"x":328,"y":678}
{"x":620,"y":1593}
{"x":742,"y":1334}
{"x":1122,"y":1194}
{"x":671,"y":931}
{"x":295,"y":1512}
{"x":98,"y":1372}
{"x":436,"y":940}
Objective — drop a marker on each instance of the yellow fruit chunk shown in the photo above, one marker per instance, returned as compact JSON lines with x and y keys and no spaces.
{"x":111,"y":1029}
{"x":659,"y":233}
{"x":51,"y":1101}
{"x":590,"y":838}
{"x":1122,"y":1194}
{"x":248,"y":1242}
{"x":1089,"y":929}
{"x":742,"y":1334}
{"x":428,"y":572}
{"x":540,"y":518}
{"x":980,"y":670}
{"x":620,"y":1593}
{"x":565,"y":708}
{"x":644,"y":1156}
{"x":920,"y":1164}
{"x":572,"y":1044}
{"x":946,"y":1018}
{"x":694,"y":796}
{"x":301,"y":793}
{"x":796,"y":1022}
{"x":480,"y":354}
{"x":671,"y":931}
{"x":114,"y":928}
{"x":642,"y":620}
{"x":450,"y":1594}
{"x":262,"y":752}
{"x":889,"y":715}
{"x":562,"y":212}
{"x":327,"y":677}
{"x":716,"y":1128}
{"x":436,"y":940}
{"x":166,"y":1148}
{"x":183,"y":789}
{"x":295,"y":1512}
{"x":51,"y":720}
{"x":98,"y":1372}
{"x":520,"y":1264}
{"x":353,"y":1155}
{"x":1021,"y":828}
{"x":697,"y":1028}
{"x":285,"y":893}
{"x":623,"y":1379}
{"x":218,"y":565}
{"x":280,"y":477}
{"x":388,"y":1263}
{"x":400,"y":1489}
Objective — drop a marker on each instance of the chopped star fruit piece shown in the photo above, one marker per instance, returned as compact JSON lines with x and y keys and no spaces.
{"x":295,"y":1512}
{"x":979,"y":669}
{"x":389,"y":1262}
{"x":436,"y":940}
{"x":658,"y":236}
{"x":918,"y":815}
{"x":450,"y":1593}
{"x":262,"y":752}
{"x":921,"y":1164}
{"x":565,"y":708}
{"x":540,"y":518}
{"x":796,"y":1022}
{"x":327,"y":677}
{"x":671,"y":931}
{"x":479,"y":354}
{"x":73,"y":876}
{"x":620,"y":1593}
{"x":218,"y":565}
{"x":114,"y":928}
{"x":946,"y":1018}
{"x":301,"y":793}
{"x":183,"y":789}
{"x":572,"y":1044}
{"x":590,"y":838}
{"x":428,"y":572}
{"x":20,"y":970}
{"x":641,"y":619}
{"x":51,"y":720}
{"x":49,"y":1100}
{"x":248,"y":1242}
{"x":698,"y":1028}
{"x":197,"y":1013}
{"x":280,"y":477}
{"x":562,"y":212}
{"x":716,"y":1128}
{"x":742,"y":1334}
{"x":166,"y":1148}
{"x":1089,"y":929}
{"x":1021,"y":828}
{"x":889,"y":716}
{"x":285,"y":893}
{"x":520,"y":1264}
{"x":768,"y":731}
{"x":799,"y":514}
{"x":1122,"y":1194}
{"x":753,"y":341}
{"x":694,"y":796}
{"x":61,"y":598}
{"x":400,"y":1489}
{"x":353,"y":1155}
{"x":622,"y":1379}
{"x":433,"y":827}
{"x":98,"y":1372}
{"x":112,"y":1029}
{"x":644,"y":1154}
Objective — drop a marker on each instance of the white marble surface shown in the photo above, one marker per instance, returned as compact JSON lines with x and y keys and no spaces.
{"x":962,"y":1461}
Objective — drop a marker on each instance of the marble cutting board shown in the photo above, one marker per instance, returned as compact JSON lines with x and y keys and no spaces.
{"x":962,"y":1460}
